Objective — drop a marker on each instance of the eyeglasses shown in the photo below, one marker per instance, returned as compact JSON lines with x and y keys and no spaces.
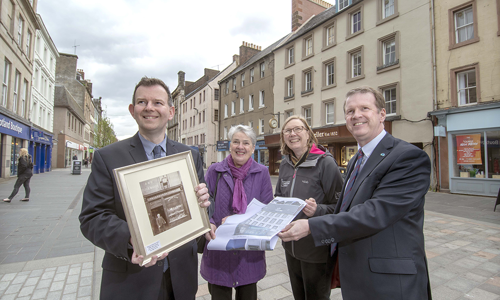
{"x":297,"y":130}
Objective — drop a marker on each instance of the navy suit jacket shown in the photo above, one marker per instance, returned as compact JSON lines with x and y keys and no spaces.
{"x":380,"y":237}
{"x":103,"y":222}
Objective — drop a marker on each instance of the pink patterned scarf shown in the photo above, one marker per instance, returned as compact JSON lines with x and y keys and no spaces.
{"x":239,"y":196}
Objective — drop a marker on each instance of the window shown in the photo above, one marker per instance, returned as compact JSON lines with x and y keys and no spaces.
{"x":243,"y":80}
{"x":290,"y":56}
{"x":261,"y":126}
{"x":203,"y":96}
{"x":200,"y":99}
{"x":306,"y":111}
{"x":5,"y":84}
{"x":386,"y":10}
{"x":329,"y":112}
{"x":191,"y":104}
{"x":216,"y":115}
{"x":17,"y":83}
{"x":216,"y":94}
{"x":234,"y":84}
{"x":391,"y":96}
{"x":463,"y":25}
{"x":288,"y":113}
{"x":308,"y":47}
{"x":355,"y":64}
{"x":227,"y":87}
{"x":329,"y":35}
{"x":203,"y":116}
{"x":233,"y":104}
{"x":307,"y":81}
{"x":250,"y":124}
{"x":261,"y":99}
{"x":355,"y":21}
{"x":388,"y":49}
{"x":329,"y":73}
{"x":343,"y":4}
{"x":225,"y":110}
{"x":250,"y":102}
{"x":289,"y":88}
{"x":465,"y":88}
{"x":252,"y":77}
{"x":199,"y":118}
{"x":20,"y":31}
{"x":262,"y":69}
{"x":225,"y":133}
{"x":28,"y":43}
{"x":23,"y":98}
{"x":242,"y":105}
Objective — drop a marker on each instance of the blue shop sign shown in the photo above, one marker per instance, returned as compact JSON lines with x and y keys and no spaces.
{"x":41,"y":137}
{"x":222,"y":145}
{"x":14,"y":128}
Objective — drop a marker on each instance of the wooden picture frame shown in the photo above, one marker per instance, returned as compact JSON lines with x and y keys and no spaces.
{"x":160,"y":204}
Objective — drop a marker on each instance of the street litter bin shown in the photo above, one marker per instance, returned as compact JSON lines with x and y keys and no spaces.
{"x":76,"y":167}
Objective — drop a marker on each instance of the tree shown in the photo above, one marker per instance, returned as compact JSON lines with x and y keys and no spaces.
{"x":105,"y":134}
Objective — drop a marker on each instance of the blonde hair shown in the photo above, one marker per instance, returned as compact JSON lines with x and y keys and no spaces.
{"x":285,"y":150}
{"x":23,"y":152}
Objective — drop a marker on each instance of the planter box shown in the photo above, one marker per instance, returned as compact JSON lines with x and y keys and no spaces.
{"x":464,"y":174}
{"x":495,"y":176}
{"x":479,"y":176}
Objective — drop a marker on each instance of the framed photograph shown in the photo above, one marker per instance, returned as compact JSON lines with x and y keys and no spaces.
{"x":160,"y":204}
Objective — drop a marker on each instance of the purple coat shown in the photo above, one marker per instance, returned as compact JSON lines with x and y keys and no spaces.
{"x":235,"y":268}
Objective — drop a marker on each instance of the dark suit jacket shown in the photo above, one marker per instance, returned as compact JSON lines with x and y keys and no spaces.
{"x":103,"y":222}
{"x":380,"y":237}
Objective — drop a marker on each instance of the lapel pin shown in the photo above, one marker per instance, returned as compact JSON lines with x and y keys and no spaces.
{"x":382,"y":154}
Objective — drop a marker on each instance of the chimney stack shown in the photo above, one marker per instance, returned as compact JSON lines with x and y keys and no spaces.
{"x":247,"y":50}
{"x":181,"y":76}
{"x":302,"y":10}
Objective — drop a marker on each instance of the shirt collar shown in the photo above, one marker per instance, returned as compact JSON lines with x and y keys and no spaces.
{"x":368,"y":148}
{"x":148,"y":145}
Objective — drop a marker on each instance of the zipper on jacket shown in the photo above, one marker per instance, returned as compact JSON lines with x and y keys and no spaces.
{"x":291,"y":195}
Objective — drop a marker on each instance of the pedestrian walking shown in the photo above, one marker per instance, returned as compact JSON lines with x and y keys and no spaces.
{"x":24,"y":174}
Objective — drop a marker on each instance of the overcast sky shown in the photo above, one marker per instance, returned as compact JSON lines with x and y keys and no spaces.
{"x":122,"y":40}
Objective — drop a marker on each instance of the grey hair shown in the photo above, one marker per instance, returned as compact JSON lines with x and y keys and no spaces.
{"x":247,"y":130}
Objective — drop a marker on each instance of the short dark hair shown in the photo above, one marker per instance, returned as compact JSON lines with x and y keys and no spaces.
{"x":379,"y":98}
{"x":146,"y":81}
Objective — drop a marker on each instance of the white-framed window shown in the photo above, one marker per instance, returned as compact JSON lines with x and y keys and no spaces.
{"x":23,"y":98}
{"x":330,"y":73}
{"x":390,"y":97}
{"x":227,"y":87}
{"x":290,"y":56}
{"x":343,"y":4}
{"x":329,"y":112}
{"x":5,"y":83}
{"x":288,"y":113}
{"x":28,"y":43}
{"x":17,"y":83}
{"x":225,"y":110}
{"x":356,"y":64}
{"x":233,"y":108}
{"x":389,"y":51}
{"x":225,"y":133}
{"x":306,"y":111}
{"x":387,"y":8}
{"x":20,"y":31}
{"x":261,"y":126}
{"x":243,"y":80}
{"x":289,"y":87}
{"x":216,"y":115}
{"x":234,"y":84}
{"x":464,"y":25}
{"x":40,"y":115}
{"x":308,"y":81}
{"x":250,"y":102}
{"x":262,"y":69}
{"x":250,"y":124}
{"x":252,"y":75}
{"x":356,"y":22}
{"x":242,"y":105}
{"x":261,"y":98}
{"x":330,"y":35}
{"x":308,"y":46}
{"x":466,"y":87}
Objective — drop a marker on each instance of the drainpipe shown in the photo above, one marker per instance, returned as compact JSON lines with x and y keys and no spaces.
{"x":434,"y":102}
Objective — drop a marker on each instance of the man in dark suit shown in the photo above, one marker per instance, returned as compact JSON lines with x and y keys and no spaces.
{"x":377,"y":227}
{"x":103,"y":220}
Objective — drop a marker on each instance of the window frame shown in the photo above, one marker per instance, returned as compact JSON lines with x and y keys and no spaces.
{"x":242,"y":79}
{"x":233,"y":108}
{"x":354,"y":10}
{"x":252,"y":75}
{"x":288,"y":113}
{"x":17,"y":84}
{"x":305,"y":46}
{"x":304,"y":91}
{"x":326,"y":27}
{"x":20,"y":30}
{"x":261,"y":126}
{"x":324,"y":116}
{"x":381,"y":67}
{"x":289,"y":63}
{"x":251,"y":103}
{"x":343,"y":2}
{"x":227,"y":87}
{"x":350,"y":54}
{"x":396,"y":86}
{"x":225,"y":111}
{"x":289,"y":96}
{"x":262,"y":69}
{"x":242,"y":105}
{"x":326,"y":63}
{"x":380,"y":12}
{"x":5,"y":84}
{"x":451,"y":25}
{"x":28,"y":43}
{"x":307,"y":108}
{"x":234,"y":84}
{"x":262,"y":96}
{"x":454,"y":84}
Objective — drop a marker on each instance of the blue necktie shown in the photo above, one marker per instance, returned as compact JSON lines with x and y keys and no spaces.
{"x":157,"y":151}
{"x":348,"y":189}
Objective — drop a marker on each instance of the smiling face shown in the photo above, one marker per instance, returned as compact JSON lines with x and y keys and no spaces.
{"x":362,"y":117}
{"x":152,"y":112}
{"x":241,"y":148}
{"x":297,"y":142}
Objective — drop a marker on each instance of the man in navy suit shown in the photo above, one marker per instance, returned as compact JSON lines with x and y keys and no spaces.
{"x":376,"y":231}
{"x":103,"y":220}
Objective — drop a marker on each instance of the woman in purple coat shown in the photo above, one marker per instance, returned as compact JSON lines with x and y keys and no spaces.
{"x":241,"y":180}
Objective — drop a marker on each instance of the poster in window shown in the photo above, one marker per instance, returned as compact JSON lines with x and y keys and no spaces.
{"x":469,"y":149}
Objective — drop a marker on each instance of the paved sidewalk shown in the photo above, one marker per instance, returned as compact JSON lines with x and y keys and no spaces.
{"x":44,"y":256}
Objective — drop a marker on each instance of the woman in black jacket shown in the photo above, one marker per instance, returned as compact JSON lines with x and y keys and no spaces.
{"x":24,"y":174}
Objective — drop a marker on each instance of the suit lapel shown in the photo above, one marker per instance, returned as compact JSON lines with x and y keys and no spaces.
{"x":137,"y":149}
{"x":379,"y":154}
{"x":350,"y":167}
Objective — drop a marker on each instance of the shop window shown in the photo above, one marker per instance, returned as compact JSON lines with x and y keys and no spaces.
{"x":476,"y":155}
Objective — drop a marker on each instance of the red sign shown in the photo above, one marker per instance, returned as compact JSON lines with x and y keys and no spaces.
{"x":469,"y":149}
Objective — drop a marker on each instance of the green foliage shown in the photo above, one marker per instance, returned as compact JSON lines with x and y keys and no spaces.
{"x":105,"y":134}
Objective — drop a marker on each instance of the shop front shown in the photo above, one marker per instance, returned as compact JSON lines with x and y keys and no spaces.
{"x":222,"y":150}
{"x":337,"y":139}
{"x":40,"y":148}
{"x":14,"y":135}
{"x":468,"y":153}
{"x":261,"y":153}
{"x":73,"y":150}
